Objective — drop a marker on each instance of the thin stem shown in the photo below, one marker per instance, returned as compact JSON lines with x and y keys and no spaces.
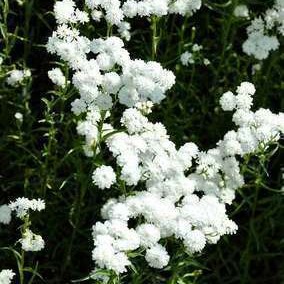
{"x":109,"y":30}
{"x":21,"y":263}
{"x":4,"y":28}
{"x":21,"y":267}
{"x":155,"y":37}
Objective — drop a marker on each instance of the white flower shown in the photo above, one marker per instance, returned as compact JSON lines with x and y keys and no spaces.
{"x":103,"y":102}
{"x":65,"y":12}
{"x":194,"y":241}
{"x":186,"y":153}
{"x":111,"y":82}
{"x":17,"y":76}
{"x":5,"y":214}
{"x":184,"y":7}
{"x":157,"y":256}
{"x":241,"y":11}
{"x":187,"y":58}
{"x":243,"y":117}
{"x":6,"y":276}
{"x":244,"y":101}
{"x":228,"y":101}
{"x":196,"y":47}
{"x":57,"y":77}
{"x":133,"y":120}
{"x":19,"y":116}
{"x":31,"y":241}
{"x":255,"y":68}
{"x":144,"y":107}
{"x":104,"y":177}
{"x":97,"y":15}
{"x":149,"y":234}
{"x":106,"y":257}
{"x":124,"y":30}
{"x":260,"y":45}
{"x":206,"y":61}
{"x":246,"y":88}
{"x":119,"y":211}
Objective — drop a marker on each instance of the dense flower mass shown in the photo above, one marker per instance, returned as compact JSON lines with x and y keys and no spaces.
{"x":169,"y":205}
{"x":260,"y":42}
{"x":178,"y":200}
{"x":138,"y":81}
{"x":117,"y":12}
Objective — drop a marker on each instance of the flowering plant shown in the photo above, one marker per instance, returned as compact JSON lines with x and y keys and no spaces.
{"x":152,"y":201}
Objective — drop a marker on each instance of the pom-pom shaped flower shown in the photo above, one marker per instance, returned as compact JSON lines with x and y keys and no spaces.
{"x":157,"y":256}
{"x":104,"y":177}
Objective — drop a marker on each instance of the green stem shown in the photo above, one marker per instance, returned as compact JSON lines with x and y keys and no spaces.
{"x":155,"y":37}
{"x":4,"y":28}
{"x":21,"y":263}
{"x":29,"y":8}
{"x":21,"y":267}
{"x":226,"y":32}
{"x":109,"y":30}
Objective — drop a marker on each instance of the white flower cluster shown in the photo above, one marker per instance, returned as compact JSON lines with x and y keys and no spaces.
{"x":159,"y":8}
{"x":22,"y":206}
{"x":134,"y":82}
{"x":5,"y":214}
{"x":17,"y":76}
{"x":117,"y":12}
{"x":94,"y":78}
{"x":65,"y":11}
{"x":6,"y":276}
{"x":260,"y":42}
{"x":218,"y":169}
{"x":195,"y":55}
{"x":169,"y":205}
